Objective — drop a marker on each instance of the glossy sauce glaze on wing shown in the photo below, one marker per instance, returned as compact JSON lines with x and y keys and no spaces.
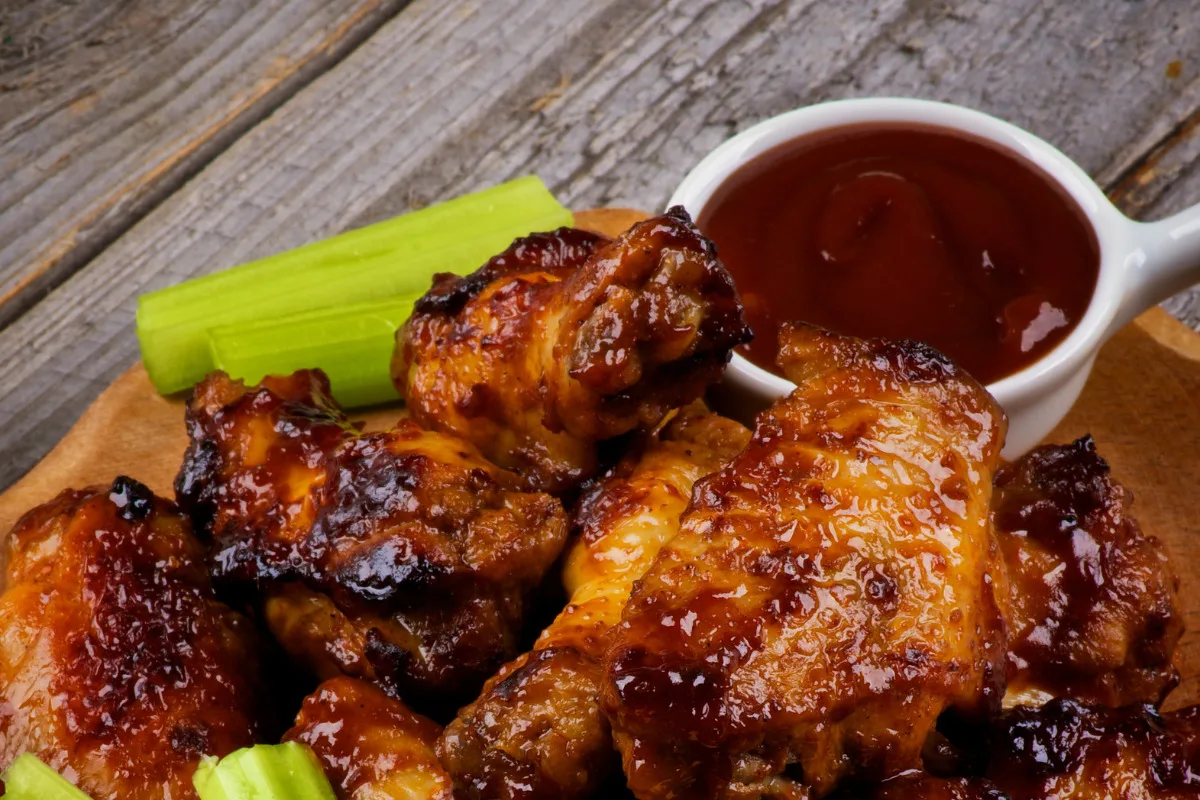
{"x":371,"y":746}
{"x":536,"y":730}
{"x":254,"y":456}
{"x":1065,"y":750}
{"x":830,"y":592}
{"x":567,"y":340}
{"x":118,"y":667}
{"x":400,"y":556}
{"x":1094,"y":611}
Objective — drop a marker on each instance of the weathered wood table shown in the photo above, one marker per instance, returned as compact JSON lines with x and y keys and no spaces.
{"x":147,"y":141}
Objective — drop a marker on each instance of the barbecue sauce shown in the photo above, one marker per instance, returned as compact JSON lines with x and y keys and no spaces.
{"x":907,"y":233}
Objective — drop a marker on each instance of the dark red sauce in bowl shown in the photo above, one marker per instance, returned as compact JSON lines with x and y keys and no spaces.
{"x":909,"y":232}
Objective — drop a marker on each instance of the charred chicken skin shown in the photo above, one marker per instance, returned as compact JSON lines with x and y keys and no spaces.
{"x":537,"y":731}
{"x":118,"y":668}
{"x":1094,"y":608}
{"x":371,"y":745}
{"x":568,"y":339}
{"x":402,"y":556}
{"x":830,"y":592}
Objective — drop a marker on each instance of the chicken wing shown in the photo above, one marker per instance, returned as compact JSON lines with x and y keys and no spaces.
{"x":1068,"y":751}
{"x":567,"y":340}
{"x":401,"y":556}
{"x":371,"y":745}
{"x":118,"y":668}
{"x":829,"y":593}
{"x":536,"y":731}
{"x":1094,"y":607}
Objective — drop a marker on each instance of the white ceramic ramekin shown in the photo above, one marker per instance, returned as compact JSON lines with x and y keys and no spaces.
{"x":1141,"y":264}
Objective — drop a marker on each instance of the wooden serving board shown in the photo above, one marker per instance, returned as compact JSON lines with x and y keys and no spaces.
{"x":1142,"y":405}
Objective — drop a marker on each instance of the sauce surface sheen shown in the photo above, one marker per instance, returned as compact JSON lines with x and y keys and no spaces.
{"x":906,"y":232}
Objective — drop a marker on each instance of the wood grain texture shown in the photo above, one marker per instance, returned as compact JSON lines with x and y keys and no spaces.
{"x":106,"y":108}
{"x":611,"y":102}
{"x":1139,"y":405}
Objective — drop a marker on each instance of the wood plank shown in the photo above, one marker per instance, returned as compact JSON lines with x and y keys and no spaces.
{"x":106,"y":108}
{"x":610,"y":101}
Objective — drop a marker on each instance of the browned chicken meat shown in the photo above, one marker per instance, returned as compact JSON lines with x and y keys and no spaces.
{"x":1068,"y":751}
{"x":829,"y":593}
{"x":401,"y":556}
{"x":371,"y":745}
{"x":568,"y":339}
{"x":537,"y":730}
{"x":1094,"y":609}
{"x":118,"y":668}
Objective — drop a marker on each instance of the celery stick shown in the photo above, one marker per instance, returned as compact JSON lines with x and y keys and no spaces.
{"x":28,"y":778}
{"x":353,"y":344}
{"x":394,"y":257}
{"x":288,"y":771}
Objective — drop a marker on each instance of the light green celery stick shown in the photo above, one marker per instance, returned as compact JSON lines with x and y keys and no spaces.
{"x":394,"y":257}
{"x":353,"y":344}
{"x":288,"y":771}
{"x":28,"y":778}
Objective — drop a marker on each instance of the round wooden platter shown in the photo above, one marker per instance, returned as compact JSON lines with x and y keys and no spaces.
{"x":1142,"y":405}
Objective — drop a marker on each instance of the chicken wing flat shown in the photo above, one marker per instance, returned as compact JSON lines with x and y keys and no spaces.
{"x":568,"y":339}
{"x":1068,"y":751}
{"x":401,"y":556}
{"x":118,"y":668}
{"x":371,"y":745}
{"x":829,"y":593}
{"x":537,"y":731}
{"x":1094,"y":607}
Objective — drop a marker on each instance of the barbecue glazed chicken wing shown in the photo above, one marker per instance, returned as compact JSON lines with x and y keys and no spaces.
{"x":1068,"y":751}
{"x":371,"y":746}
{"x":402,"y":556}
{"x":829,"y":593}
{"x":1094,"y":608}
{"x":537,"y":731}
{"x":118,"y":668}
{"x":568,"y":339}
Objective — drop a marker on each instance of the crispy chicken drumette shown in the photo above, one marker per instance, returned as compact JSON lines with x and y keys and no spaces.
{"x":118,"y":667}
{"x":1094,"y":612}
{"x":568,"y":339}
{"x":401,"y":556}
{"x":371,"y":745}
{"x":536,"y":731}
{"x":830,"y":591}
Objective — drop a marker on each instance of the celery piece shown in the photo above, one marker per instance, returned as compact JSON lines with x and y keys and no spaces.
{"x":353,"y":344}
{"x":213,"y":784}
{"x":395,"y":257}
{"x":288,"y":771}
{"x":28,"y":778}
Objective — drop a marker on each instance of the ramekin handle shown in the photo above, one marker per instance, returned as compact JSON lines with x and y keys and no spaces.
{"x":1167,"y":262}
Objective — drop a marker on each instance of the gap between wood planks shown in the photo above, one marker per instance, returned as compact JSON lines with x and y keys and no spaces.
{"x":122,"y":206}
{"x":1124,"y":190}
